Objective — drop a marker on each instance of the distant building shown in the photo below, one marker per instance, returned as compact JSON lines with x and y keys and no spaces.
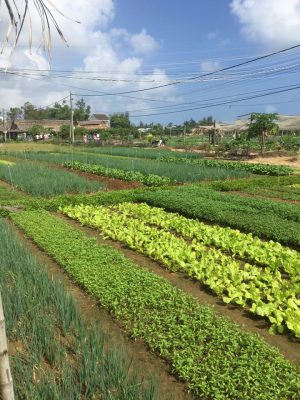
{"x":23,"y":125}
{"x":144,"y":130}
{"x":96,"y":121}
{"x":18,"y":129}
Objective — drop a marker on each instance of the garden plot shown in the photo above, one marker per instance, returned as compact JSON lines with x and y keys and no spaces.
{"x":201,"y":346}
{"x":262,"y":277}
{"x":53,"y":353}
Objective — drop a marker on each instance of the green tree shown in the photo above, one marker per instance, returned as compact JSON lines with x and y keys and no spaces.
{"x":206,"y":120}
{"x":261,"y":125}
{"x":32,"y":112}
{"x":59,"y":111}
{"x":120,"y":120}
{"x":82,"y":111}
{"x":36,"y":130}
{"x":64,"y":131}
{"x":14,"y":113}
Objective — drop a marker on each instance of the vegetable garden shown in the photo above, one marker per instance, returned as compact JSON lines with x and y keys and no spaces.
{"x":230,"y":228}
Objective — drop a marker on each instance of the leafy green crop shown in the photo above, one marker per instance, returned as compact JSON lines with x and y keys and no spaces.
{"x":55,"y":355}
{"x":260,"y":169}
{"x":149,"y":180}
{"x":284,"y":188}
{"x":264,"y":291}
{"x":210,"y":353}
{"x":244,"y":246}
{"x":263,"y":218}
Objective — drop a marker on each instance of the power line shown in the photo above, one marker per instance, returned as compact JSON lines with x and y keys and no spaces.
{"x":216,"y":104}
{"x":215,"y":98}
{"x":209,"y":73}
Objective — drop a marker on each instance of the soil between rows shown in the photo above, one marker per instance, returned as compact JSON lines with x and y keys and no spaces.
{"x":109,"y":183}
{"x":147,"y":363}
{"x":287,"y":345}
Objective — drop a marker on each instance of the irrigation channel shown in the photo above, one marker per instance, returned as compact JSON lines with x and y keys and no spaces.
{"x":148,"y":364}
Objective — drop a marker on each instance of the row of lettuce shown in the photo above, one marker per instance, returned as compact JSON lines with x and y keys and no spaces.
{"x":211,"y":354}
{"x":269,"y":290}
{"x":54,"y":354}
{"x":264,"y":218}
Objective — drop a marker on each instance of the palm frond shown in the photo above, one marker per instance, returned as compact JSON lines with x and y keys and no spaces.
{"x":17,"y":18}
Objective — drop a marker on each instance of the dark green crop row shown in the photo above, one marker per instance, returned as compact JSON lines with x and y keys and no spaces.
{"x":257,"y":182}
{"x":266,"y":219}
{"x":234,"y":201}
{"x":260,"y":169}
{"x":273,"y":187}
{"x":148,"y":180}
{"x":210,"y":353}
{"x":54,"y":354}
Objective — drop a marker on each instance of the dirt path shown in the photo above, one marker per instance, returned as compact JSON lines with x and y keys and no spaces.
{"x":146,"y":362}
{"x":109,"y":183}
{"x":288,"y":346}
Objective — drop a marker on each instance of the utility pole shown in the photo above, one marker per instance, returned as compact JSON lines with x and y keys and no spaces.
{"x":71,"y":120}
{"x":214,"y":134}
{"x":6,"y":382}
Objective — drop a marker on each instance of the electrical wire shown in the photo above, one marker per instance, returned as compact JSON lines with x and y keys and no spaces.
{"x":217,"y":104}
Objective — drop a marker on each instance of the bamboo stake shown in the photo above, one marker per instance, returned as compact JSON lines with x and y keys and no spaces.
{"x":6,"y":383}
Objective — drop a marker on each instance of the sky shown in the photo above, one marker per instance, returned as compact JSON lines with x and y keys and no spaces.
{"x":160,"y":60}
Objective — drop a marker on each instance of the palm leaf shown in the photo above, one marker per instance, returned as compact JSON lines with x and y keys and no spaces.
{"x":47,"y":18}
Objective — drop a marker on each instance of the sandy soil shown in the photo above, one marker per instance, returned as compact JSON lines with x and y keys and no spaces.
{"x":292,"y":161}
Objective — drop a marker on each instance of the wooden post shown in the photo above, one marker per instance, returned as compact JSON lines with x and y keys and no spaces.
{"x":6,"y":383}
{"x":72,"y":139}
{"x":262,"y":149}
{"x":213,"y":134}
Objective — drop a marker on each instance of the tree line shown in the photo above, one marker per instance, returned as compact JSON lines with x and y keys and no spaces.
{"x":58,"y":111}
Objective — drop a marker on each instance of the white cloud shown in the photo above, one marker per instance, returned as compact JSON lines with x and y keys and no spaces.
{"x":94,"y":45}
{"x":212,"y":35}
{"x":273,"y":22}
{"x":143,"y":43}
{"x":209,"y":65}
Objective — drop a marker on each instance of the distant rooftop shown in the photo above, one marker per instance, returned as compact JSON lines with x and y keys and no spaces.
{"x":101,"y":117}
